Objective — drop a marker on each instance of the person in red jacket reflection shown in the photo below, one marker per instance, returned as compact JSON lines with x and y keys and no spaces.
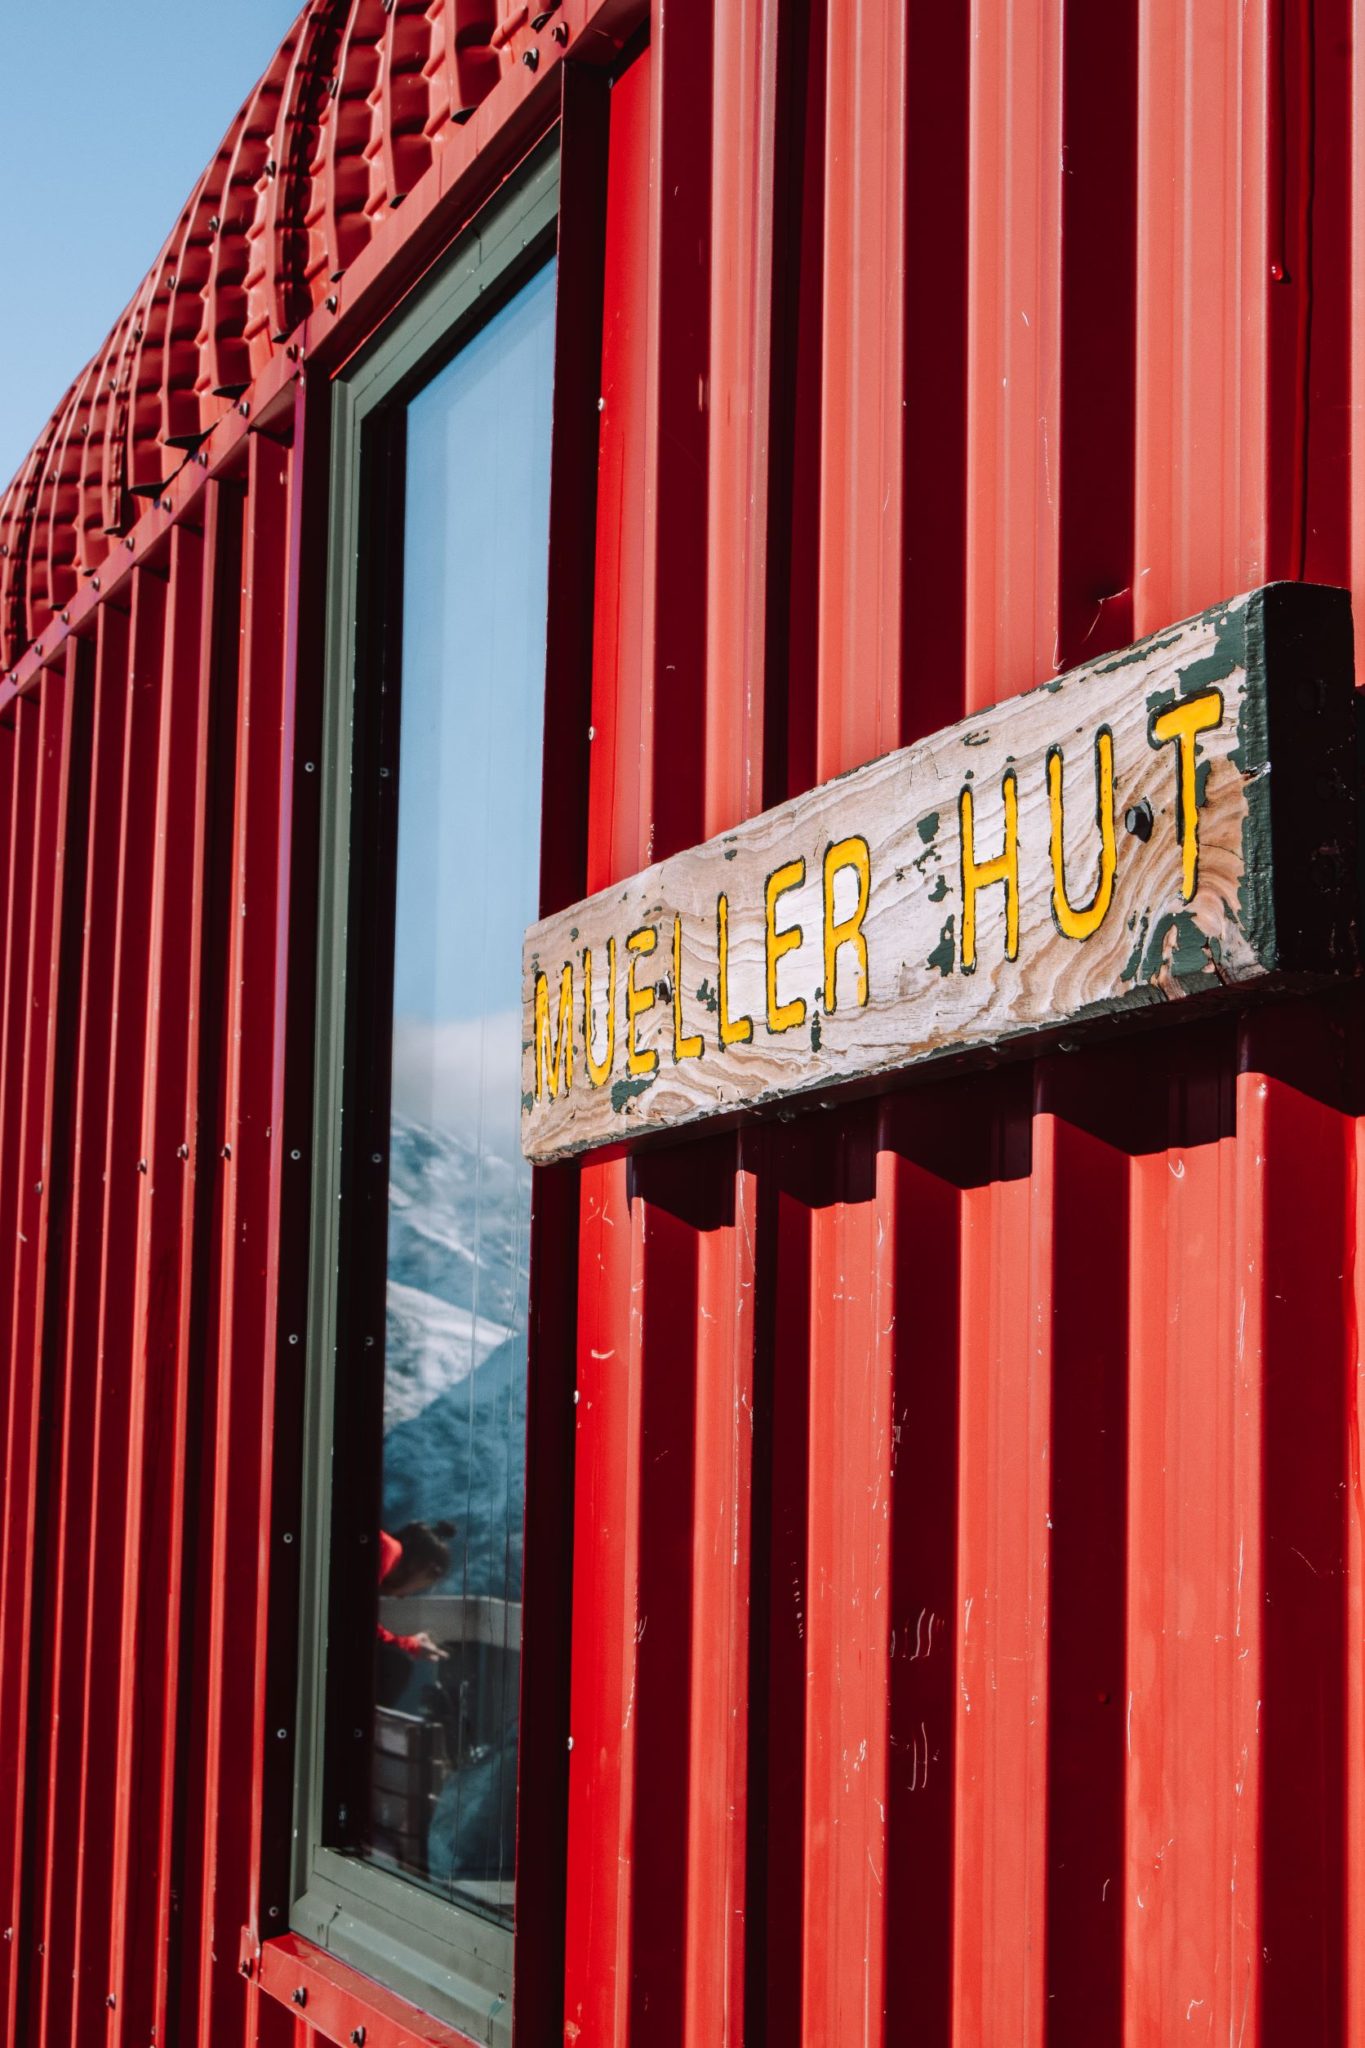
{"x":412,"y":1562}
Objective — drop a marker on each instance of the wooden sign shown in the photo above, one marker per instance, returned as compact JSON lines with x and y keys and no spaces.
{"x":1166,"y":824}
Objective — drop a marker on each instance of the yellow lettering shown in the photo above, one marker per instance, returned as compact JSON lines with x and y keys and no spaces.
{"x":1183,"y":723}
{"x":639,"y":945}
{"x":782,"y":1016}
{"x":598,"y":1074}
{"x":848,"y":931}
{"x":984,"y":874}
{"x":554,"y":1071}
{"x":686,"y":1045}
{"x":733,"y":1030}
{"x":1072,"y":922}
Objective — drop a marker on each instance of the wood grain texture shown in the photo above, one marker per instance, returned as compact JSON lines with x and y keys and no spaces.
{"x":1173,"y":822}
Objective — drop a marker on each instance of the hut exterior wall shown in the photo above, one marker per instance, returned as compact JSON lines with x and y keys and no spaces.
{"x":952,"y":1572}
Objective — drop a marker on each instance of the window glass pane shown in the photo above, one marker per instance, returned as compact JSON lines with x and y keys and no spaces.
{"x":447,"y":1654}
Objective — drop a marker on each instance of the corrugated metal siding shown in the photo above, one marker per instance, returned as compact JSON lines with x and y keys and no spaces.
{"x":968,"y":1519}
{"x":967,"y":1490}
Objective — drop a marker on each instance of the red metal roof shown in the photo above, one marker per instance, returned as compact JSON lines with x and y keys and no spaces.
{"x":353,"y":108}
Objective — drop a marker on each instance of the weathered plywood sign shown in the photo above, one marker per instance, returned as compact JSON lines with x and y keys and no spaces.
{"x":1165,"y":824}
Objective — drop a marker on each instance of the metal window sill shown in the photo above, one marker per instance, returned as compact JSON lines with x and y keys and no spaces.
{"x":343,"y":2006}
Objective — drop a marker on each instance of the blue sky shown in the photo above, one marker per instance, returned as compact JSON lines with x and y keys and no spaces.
{"x":107,"y":117}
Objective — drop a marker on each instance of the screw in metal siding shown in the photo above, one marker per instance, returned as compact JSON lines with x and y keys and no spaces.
{"x":293,"y":1336}
{"x":376,"y":1158}
{"x":182,"y":1151}
{"x":358,"y":2036}
{"x":227,"y":1151}
{"x":66,"y":618}
{"x":560,"y":33}
{"x":274,"y":1912}
{"x":531,"y":59}
{"x":244,"y":409}
{"x":570,"y":1742}
{"x":111,"y":2001}
{"x":330,"y":302}
{"x":142,"y":1166}
{"x":300,"y":1995}
{"x":281,"y":1734}
{"x":245,"y":1966}
{"x":288,"y":1535}
{"x":1137,"y":819}
{"x":296,"y":1154}
{"x":308,"y":767}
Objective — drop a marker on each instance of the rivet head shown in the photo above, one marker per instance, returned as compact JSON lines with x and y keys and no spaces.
{"x":281,"y":1734}
{"x":1137,"y":819}
{"x":531,"y":59}
{"x":300,"y":1995}
{"x":358,"y":2036}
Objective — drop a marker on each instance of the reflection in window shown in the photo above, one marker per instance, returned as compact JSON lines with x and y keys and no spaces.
{"x":447,"y":1654}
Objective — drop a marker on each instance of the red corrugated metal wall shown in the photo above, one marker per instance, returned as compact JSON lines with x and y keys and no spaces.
{"x":968,"y":1526}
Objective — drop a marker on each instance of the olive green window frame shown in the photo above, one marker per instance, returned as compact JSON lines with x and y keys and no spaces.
{"x":445,"y":1958}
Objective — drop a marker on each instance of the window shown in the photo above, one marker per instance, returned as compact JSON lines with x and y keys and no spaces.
{"x":418,"y":1329}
